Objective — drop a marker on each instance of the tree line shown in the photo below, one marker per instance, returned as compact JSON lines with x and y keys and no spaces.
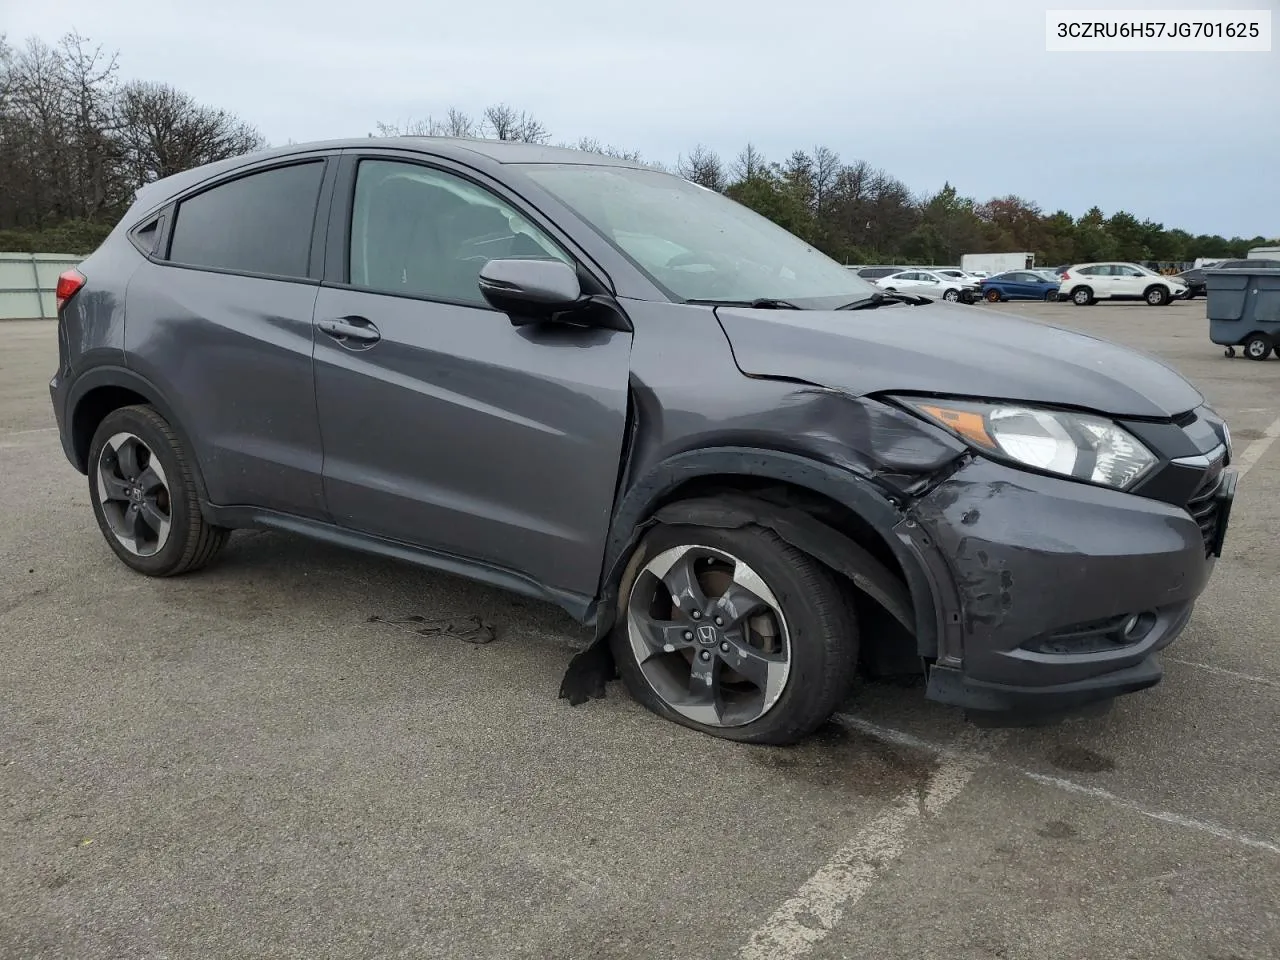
{"x":76,"y":143}
{"x":860,"y":214}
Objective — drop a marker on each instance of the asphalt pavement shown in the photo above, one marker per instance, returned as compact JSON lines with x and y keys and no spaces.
{"x":238,"y":763}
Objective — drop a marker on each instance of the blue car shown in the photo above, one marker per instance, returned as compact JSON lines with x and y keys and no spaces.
{"x":1020,"y":285}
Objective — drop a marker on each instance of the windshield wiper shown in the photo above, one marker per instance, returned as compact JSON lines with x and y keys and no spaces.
{"x":761,"y":303}
{"x":880,"y":299}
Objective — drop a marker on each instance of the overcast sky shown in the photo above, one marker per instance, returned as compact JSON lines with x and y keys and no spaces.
{"x":930,"y":90}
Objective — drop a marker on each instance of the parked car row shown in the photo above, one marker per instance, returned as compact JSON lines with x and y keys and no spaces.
{"x":1195,"y":280}
{"x":1082,"y":283}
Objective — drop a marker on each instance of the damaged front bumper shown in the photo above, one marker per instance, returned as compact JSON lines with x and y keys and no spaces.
{"x":1051,"y":594}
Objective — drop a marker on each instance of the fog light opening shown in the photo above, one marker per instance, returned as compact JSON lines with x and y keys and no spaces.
{"x":1137,"y":626}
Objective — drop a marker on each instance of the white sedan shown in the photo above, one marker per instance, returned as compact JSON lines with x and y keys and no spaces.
{"x":976,"y":277}
{"x":929,"y":284}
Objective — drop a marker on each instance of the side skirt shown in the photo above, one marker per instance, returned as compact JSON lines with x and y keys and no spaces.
{"x":238,"y":518}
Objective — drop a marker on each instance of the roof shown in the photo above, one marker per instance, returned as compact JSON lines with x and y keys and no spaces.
{"x":465,"y":150}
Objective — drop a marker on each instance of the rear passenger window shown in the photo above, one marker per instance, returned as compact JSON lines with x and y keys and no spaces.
{"x":256,"y":224}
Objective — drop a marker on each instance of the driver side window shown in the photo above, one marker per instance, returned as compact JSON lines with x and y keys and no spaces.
{"x":421,"y":232}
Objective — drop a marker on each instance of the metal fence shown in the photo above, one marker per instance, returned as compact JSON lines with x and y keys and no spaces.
{"x":28,"y":282}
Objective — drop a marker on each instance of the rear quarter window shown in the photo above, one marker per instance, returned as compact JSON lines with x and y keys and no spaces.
{"x":260,"y":223}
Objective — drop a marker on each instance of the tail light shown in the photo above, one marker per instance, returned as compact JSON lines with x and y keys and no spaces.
{"x":1064,"y":275}
{"x":69,"y":284}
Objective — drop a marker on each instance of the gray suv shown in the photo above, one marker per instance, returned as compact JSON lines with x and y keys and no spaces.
{"x":605,"y":386}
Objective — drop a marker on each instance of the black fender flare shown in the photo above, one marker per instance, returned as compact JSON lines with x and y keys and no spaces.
{"x":110,"y":375}
{"x":806,"y":534}
{"x":915,"y":606}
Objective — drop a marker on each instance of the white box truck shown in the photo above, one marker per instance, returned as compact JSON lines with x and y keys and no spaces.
{"x":1264,"y":253}
{"x":992,"y":263}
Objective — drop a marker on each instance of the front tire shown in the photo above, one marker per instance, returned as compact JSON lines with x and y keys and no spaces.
{"x":951,"y":296}
{"x":144,"y":495}
{"x":1051,"y":296}
{"x":1157,"y":296}
{"x":734,"y":632}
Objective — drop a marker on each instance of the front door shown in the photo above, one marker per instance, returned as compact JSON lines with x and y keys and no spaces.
{"x":444,"y":426}
{"x":1128,"y":281}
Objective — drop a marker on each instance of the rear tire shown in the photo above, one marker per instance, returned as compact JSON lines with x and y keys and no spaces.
{"x":1257,"y":346}
{"x":800,"y":615}
{"x":1082,"y":296}
{"x":144,"y":495}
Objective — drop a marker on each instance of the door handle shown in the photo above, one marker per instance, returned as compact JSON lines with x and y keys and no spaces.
{"x":344,"y":329}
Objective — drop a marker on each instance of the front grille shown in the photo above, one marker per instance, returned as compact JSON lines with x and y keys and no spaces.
{"x":1204,"y":505}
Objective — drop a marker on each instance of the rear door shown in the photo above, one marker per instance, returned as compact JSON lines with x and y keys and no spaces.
{"x":1099,"y":278}
{"x":219,"y":319}
{"x":445,"y":426}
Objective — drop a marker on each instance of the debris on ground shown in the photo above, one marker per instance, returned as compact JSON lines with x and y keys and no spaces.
{"x":472,"y":629}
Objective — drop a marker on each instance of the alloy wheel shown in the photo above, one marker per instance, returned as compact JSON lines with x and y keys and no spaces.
{"x":133,"y":492}
{"x":709,"y":636}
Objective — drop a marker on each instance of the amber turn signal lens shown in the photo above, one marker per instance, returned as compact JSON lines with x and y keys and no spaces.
{"x":972,"y":426}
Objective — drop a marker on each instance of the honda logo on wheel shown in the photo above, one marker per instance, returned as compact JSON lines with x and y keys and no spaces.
{"x":707,"y":634}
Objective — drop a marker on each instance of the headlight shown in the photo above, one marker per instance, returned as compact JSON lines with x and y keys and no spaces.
{"x":1074,"y":445}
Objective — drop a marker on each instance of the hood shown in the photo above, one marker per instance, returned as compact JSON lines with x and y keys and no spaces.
{"x":958,"y":350}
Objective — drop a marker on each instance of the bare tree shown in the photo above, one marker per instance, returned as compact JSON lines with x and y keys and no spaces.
{"x":750,"y":164}
{"x":592,"y":145}
{"x":164,"y":131}
{"x":90,"y":76}
{"x":703,"y":167}
{"x":455,"y":124}
{"x":826,"y":170}
{"x":503,"y":122}
{"x":459,"y":124}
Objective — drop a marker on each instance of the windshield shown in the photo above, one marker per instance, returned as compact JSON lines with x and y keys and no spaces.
{"x":695,"y":243}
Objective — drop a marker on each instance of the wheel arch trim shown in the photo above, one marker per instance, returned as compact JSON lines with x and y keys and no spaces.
{"x":642,"y":506}
{"x":124,"y":378}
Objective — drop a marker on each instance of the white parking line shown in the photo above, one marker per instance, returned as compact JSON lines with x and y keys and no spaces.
{"x":809,"y":916}
{"x":902,"y":738}
{"x":1236,"y":675}
{"x":1254,"y":451}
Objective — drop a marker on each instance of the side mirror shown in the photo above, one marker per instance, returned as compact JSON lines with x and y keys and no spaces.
{"x":531,"y":291}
